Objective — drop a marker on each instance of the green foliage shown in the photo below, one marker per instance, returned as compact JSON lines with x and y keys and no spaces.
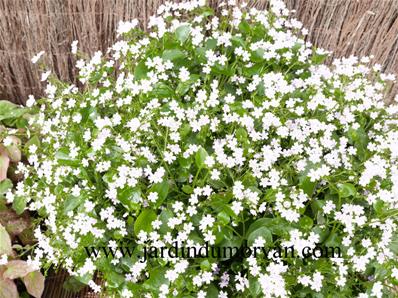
{"x":215,"y":131}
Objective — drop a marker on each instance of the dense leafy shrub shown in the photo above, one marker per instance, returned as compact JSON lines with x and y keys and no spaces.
{"x":16,"y":229}
{"x":227,"y":130}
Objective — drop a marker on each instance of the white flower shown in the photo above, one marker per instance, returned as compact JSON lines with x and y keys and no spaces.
{"x":37,"y":57}
{"x":209,"y":161}
{"x":4,"y":259}
{"x":237,"y":207}
{"x":32,"y":149}
{"x":153,"y":197}
{"x":329,"y":207}
{"x":377,"y":289}
{"x":316,"y":284}
{"x":171,"y":275}
{"x":125,"y":27}
{"x":184,"y":74}
{"x":7,"y":141}
{"x":207,"y":221}
{"x":45,"y":75}
{"x":74,"y":46}
{"x":96,"y":288}
{"x":126,"y":293}
{"x":278,"y":140}
{"x":134,"y":124}
{"x":215,"y":174}
{"x":201,"y":294}
{"x":31,"y":101}
{"x":394,"y":273}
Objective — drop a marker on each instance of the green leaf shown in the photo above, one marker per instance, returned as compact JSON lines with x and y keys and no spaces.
{"x":317,"y":206}
{"x":130,"y":197}
{"x":394,"y":243}
{"x":187,"y":189}
{"x":71,"y":203}
{"x":5,"y":242}
{"x":114,"y":279}
{"x":244,"y":27}
{"x":241,"y":134}
{"x":73,"y":284}
{"x":322,"y":232}
{"x":164,"y":217}
{"x":263,"y":232}
{"x":305,"y":222}
{"x":333,"y":240}
{"x":254,"y":287}
{"x":21,"y":122}
{"x":183,"y":175}
{"x":258,"y":55}
{"x":8,"y":110}
{"x":200,"y":53}
{"x":307,"y":185}
{"x":253,"y":70}
{"x":144,"y":221}
{"x":305,"y":182}
{"x":5,"y":186}
{"x":184,"y":132}
{"x":210,"y":44}
{"x":360,"y":139}
{"x":140,"y":71}
{"x":231,"y":247}
{"x":222,"y":234}
{"x":318,"y":59}
{"x":34,"y":283}
{"x":379,"y":207}
{"x":183,"y":87}
{"x":200,"y":157}
{"x":223,"y":69}
{"x":212,"y":291}
{"x":19,"y":204}
{"x":173,"y":54}
{"x":64,"y":159}
{"x":85,"y":278}
{"x":346,"y":190}
{"x":217,"y":184}
{"x":207,"y":11}
{"x":220,"y":200}
{"x":223,"y":217}
{"x":276,"y":226}
{"x":89,"y":113}
{"x":183,"y":32}
{"x":261,"y":89}
{"x":33,"y":141}
{"x":162,"y":189}
{"x":161,"y":90}
{"x":205,"y":265}
{"x":238,"y":42}
{"x":157,"y":277}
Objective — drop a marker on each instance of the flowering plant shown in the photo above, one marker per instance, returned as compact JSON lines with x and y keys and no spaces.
{"x":16,"y":237}
{"x":225,"y":131}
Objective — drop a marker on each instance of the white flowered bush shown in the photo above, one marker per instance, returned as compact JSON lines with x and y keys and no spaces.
{"x":223,"y":129}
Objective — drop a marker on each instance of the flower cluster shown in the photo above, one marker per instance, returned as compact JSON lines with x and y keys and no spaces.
{"x":223,"y":129}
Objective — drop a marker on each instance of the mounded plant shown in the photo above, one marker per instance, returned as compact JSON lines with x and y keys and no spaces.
{"x":225,"y":129}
